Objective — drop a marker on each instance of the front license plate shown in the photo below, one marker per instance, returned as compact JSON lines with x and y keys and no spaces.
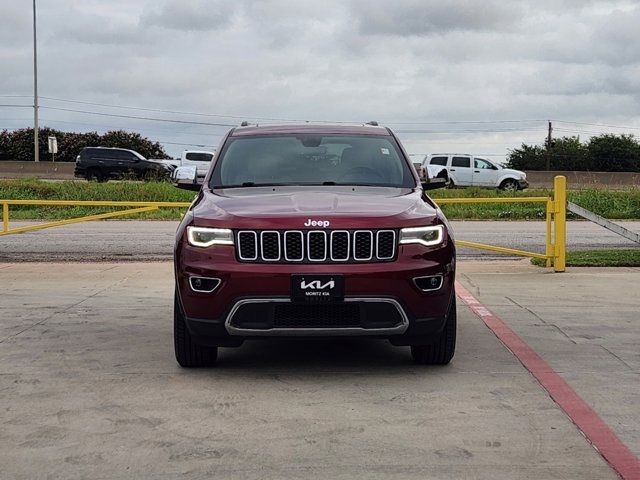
{"x":317,"y":288}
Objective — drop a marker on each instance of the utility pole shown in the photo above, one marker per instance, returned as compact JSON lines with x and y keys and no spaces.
{"x":36,"y":149}
{"x":548,"y":160}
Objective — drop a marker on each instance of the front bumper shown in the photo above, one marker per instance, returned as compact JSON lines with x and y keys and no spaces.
{"x":522,"y":184}
{"x":389,"y":303}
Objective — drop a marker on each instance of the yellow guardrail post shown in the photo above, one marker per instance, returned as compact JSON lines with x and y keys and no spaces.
{"x":560,"y":221}
{"x":5,"y":217}
{"x":549,"y":250}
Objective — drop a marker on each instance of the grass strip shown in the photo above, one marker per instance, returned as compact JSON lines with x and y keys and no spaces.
{"x":600,"y":258}
{"x":613,"y":204}
{"x":33,"y":189}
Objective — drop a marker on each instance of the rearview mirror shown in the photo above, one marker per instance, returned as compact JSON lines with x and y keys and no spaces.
{"x":186,"y":178}
{"x":434,"y":183}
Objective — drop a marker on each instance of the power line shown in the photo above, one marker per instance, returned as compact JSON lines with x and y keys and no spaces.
{"x":168,"y":120}
{"x":241,"y":117}
{"x":146,"y":130}
{"x":471,"y":130}
{"x":455,"y":122}
{"x":176,"y":112}
{"x":277,"y":119}
{"x":598,"y":125}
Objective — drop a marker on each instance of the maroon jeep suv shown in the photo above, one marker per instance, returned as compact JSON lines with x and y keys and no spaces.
{"x":313,"y":230}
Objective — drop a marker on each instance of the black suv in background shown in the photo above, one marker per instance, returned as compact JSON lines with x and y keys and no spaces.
{"x":103,"y":163}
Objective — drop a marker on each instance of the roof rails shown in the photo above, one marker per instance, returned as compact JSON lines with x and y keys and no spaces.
{"x":373,"y":123}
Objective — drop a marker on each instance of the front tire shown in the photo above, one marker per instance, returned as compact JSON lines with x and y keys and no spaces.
{"x":441,"y":351}
{"x":509,"y":185}
{"x":188,"y":353}
{"x":96,"y":174}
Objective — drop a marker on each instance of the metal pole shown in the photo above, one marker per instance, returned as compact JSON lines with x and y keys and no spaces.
{"x":5,"y":217}
{"x":548,"y":157}
{"x":560,"y":215}
{"x":36,"y":149}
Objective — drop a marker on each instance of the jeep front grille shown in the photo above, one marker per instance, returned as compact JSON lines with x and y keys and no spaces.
{"x":316,"y":246}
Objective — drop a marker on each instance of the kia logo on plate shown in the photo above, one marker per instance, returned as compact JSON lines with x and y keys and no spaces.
{"x":316,"y":285}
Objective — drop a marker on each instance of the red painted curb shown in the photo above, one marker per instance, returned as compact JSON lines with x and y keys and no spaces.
{"x":598,"y":433}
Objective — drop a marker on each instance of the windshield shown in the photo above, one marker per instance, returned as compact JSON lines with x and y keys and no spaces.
{"x":311,"y":160}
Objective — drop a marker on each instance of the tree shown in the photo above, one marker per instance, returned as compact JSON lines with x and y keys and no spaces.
{"x":613,"y":153}
{"x":604,"y":153}
{"x":18,"y":144}
{"x":567,"y":153}
{"x":527,"y":157}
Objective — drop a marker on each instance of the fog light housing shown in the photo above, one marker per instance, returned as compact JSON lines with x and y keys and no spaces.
{"x":203,"y":284}
{"x":429,"y":283}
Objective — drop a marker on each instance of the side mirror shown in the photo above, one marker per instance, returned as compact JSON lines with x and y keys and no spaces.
{"x":186,"y":178}
{"x":434,"y":183}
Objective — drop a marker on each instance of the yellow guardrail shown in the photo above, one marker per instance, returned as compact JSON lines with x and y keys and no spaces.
{"x":130,"y":208}
{"x":556,"y":207}
{"x":556,"y":226}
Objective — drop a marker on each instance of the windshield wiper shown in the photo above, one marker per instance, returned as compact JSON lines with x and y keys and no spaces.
{"x":254,"y":184}
{"x":302,"y":184}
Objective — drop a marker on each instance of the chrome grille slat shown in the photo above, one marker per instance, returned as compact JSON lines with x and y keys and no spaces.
{"x":337,"y":238}
{"x":316,"y":242}
{"x":316,"y":246}
{"x":362,"y":245}
{"x":292,"y":246}
{"x":385,"y":244}
{"x":270,"y":245}
{"x":248,"y":245}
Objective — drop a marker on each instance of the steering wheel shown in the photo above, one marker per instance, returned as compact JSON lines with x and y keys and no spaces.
{"x":362,"y":174}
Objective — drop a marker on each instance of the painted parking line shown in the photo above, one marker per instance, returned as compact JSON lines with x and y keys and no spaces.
{"x":595,"y":430}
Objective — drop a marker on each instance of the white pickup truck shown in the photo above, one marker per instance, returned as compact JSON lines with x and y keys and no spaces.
{"x":464,"y":170}
{"x":201,"y":159}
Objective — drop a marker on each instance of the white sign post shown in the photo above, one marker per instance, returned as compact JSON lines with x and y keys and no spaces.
{"x":53,"y":147}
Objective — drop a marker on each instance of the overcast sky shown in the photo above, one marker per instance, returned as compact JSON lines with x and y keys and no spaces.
{"x":414,"y":65}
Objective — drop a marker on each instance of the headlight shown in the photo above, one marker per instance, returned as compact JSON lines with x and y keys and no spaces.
{"x":205,"y":237}
{"x":426,"y":236}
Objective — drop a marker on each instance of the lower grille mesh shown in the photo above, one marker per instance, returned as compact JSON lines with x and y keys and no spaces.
{"x":316,"y":316}
{"x":263,"y":315}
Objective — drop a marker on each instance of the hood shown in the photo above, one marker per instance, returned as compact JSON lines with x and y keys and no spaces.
{"x":298,"y":207}
{"x":156,"y":161}
{"x":516,"y":173}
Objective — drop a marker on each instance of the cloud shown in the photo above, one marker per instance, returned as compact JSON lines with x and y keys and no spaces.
{"x":426,"y":17}
{"x":188,"y":16}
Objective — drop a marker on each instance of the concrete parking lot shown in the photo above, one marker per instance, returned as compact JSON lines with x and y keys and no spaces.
{"x":90,"y":387}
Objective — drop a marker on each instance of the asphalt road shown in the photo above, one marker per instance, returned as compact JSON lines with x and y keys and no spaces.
{"x":153,"y":240}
